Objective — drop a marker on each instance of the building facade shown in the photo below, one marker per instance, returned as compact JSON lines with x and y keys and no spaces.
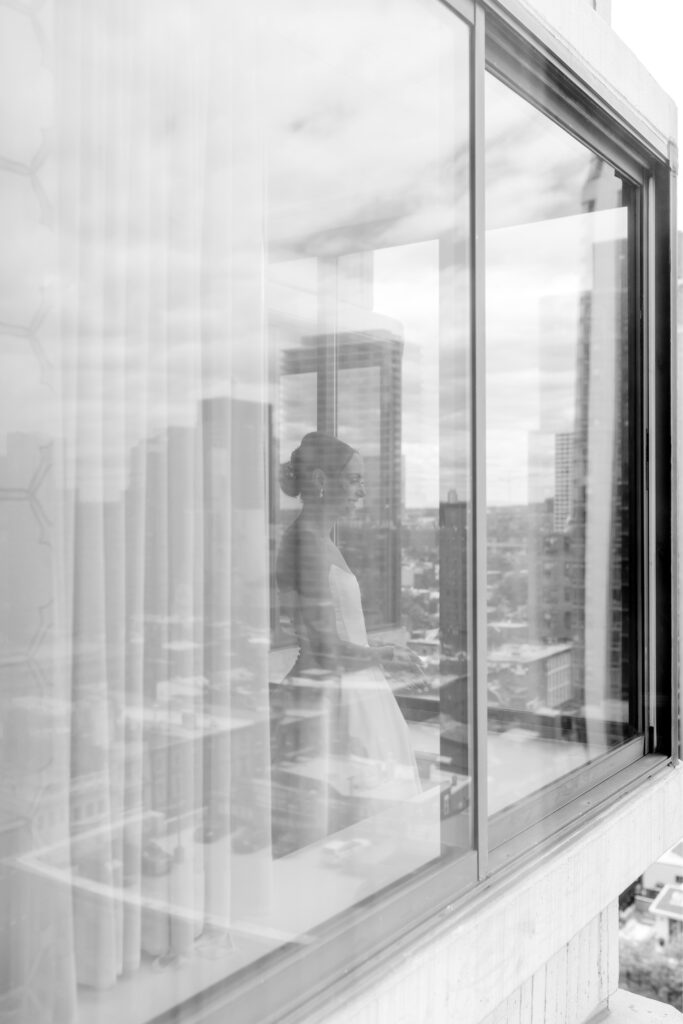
{"x":338,"y":633}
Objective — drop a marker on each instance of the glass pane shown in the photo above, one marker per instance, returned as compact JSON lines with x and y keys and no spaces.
{"x":369,"y":328}
{"x":228,"y":711}
{"x":561,"y":641}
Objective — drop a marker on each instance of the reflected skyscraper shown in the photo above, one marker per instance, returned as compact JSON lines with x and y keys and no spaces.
{"x":335,"y":368}
{"x":564,"y":450}
{"x":599,"y":542}
{"x":453,"y":576}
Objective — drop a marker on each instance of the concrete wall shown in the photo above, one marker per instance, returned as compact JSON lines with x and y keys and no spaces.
{"x":604,"y":9}
{"x":582,"y":38}
{"x":574,"y":983}
{"x":539,"y":949}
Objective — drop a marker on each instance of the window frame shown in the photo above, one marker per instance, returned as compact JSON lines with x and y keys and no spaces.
{"x":538,"y":77}
{"x":514,"y":47}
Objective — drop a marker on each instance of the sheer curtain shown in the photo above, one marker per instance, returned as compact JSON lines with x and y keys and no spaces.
{"x":156,"y":434}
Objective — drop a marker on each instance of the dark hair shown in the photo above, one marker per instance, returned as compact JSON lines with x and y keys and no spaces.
{"x":316,"y":451}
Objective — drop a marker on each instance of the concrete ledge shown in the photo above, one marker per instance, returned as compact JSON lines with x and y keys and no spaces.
{"x":584,"y":41}
{"x":536,"y":947}
{"x":628,"y":1008}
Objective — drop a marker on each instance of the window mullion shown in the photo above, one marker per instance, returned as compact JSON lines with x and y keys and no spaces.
{"x":478,"y":434}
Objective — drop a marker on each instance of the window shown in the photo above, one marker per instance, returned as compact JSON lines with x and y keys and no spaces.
{"x":568,"y":424}
{"x":332,"y":565}
{"x":559,"y":393}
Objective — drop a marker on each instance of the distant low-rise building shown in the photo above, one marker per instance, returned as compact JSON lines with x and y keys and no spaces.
{"x":528,"y":674}
{"x":668,"y":870}
{"x":667,"y":911}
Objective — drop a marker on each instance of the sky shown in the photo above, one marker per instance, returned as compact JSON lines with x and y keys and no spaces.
{"x":365,"y":145}
{"x":653,"y":32}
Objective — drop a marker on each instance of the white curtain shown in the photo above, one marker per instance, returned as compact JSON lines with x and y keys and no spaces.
{"x":155,"y":435}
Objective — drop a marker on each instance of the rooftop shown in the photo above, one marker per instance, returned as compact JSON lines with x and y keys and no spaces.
{"x":669,"y":902}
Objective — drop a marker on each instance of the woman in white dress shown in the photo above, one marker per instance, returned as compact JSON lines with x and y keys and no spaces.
{"x":364,"y":751}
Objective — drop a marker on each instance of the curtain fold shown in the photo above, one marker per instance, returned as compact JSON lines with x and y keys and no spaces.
{"x":158,"y":561}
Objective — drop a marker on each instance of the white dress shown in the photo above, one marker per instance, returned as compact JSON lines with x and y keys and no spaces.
{"x":378,"y":735}
{"x":350,"y":758}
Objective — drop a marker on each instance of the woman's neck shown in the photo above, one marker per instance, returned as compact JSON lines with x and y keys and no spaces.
{"x":316,"y":519}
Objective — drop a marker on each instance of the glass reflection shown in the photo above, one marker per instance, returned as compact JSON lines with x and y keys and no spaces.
{"x":254,"y":228}
{"x":356,"y":743}
{"x":558,"y":471}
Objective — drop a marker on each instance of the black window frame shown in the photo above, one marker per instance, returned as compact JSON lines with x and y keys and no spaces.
{"x":539,"y":76}
{"x":302,"y":978}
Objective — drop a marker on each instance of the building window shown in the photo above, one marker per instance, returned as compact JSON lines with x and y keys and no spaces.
{"x":289,"y":576}
{"x":559,"y":446}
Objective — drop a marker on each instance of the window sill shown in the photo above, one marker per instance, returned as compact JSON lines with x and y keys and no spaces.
{"x":495,"y":937}
{"x":629,"y":1008}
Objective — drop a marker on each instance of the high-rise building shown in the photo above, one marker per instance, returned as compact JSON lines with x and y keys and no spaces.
{"x":599,"y":539}
{"x":453,"y":577}
{"x":564,"y":452}
{"x":415,"y":788}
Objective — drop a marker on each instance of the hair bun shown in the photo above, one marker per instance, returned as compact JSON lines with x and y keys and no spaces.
{"x":289,"y":479}
{"x":316,"y":451}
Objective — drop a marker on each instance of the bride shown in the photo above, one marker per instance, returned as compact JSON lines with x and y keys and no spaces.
{"x":364,"y":743}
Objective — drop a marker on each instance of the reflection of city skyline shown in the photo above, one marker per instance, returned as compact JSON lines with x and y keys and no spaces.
{"x":558,"y":572}
{"x":395,"y":289}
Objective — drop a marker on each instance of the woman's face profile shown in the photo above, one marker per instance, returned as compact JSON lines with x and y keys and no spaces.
{"x":343,"y":492}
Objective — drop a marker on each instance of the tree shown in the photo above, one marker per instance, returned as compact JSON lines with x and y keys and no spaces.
{"x":651,"y":971}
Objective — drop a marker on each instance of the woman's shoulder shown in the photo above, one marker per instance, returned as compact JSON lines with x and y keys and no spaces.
{"x":302,"y":553}
{"x":298,"y":535}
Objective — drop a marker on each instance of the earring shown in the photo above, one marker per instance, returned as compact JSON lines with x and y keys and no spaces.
{"x":322,"y":492}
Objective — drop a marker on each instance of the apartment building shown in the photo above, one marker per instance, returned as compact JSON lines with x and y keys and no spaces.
{"x":311,"y":314}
